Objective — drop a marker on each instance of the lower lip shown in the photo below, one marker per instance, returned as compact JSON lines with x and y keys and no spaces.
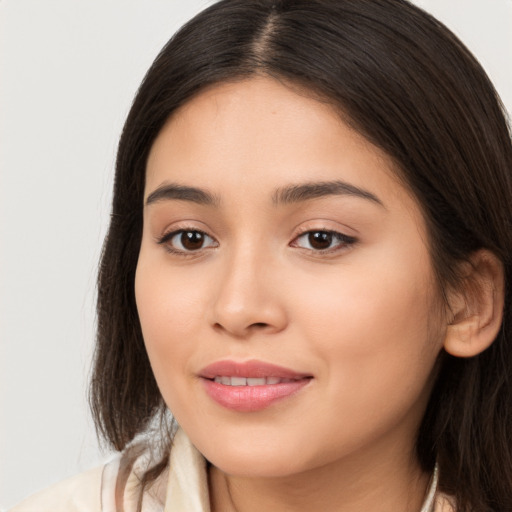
{"x":251,"y":398}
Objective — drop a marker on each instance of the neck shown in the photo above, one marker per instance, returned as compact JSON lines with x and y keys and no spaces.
{"x":395,"y":485}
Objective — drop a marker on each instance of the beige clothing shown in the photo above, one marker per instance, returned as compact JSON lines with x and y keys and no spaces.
{"x":182,"y":488}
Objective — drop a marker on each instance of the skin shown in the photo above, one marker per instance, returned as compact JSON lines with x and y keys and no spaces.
{"x":362,"y":318}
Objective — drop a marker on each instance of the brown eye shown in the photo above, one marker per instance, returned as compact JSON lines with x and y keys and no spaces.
{"x":320,"y":240}
{"x":323,"y":241}
{"x":187,"y":240}
{"x":192,"y":240}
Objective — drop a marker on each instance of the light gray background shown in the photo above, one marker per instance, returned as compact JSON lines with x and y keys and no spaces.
{"x":68,"y":72}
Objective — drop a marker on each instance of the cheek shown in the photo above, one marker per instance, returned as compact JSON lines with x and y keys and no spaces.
{"x":374,"y":327}
{"x":170,"y":310}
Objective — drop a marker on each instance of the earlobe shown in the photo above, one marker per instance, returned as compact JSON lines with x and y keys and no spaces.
{"x":476,"y":307}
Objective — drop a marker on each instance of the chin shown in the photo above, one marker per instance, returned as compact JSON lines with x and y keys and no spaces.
{"x":257,"y":466}
{"x":255,"y":459}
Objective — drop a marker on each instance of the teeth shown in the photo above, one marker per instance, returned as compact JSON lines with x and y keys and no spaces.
{"x":256,"y":382}
{"x":249,"y":381}
{"x":238,"y":381}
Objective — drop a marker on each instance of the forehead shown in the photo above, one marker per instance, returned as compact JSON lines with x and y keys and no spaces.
{"x":261,"y":134}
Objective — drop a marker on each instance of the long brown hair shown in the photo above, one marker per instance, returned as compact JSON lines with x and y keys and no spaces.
{"x":407,"y":84}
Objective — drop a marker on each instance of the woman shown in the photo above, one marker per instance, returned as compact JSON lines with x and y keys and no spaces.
{"x":308,"y":263}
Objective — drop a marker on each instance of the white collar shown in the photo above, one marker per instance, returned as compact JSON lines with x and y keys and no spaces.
{"x":187,"y":486}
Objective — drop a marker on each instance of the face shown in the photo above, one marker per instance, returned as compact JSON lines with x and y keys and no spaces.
{"x":284,"y":285}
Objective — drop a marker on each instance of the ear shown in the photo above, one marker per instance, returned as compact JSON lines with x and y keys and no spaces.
{"x":476,"y":307}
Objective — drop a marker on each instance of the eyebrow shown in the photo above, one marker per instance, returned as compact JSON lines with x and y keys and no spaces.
{"x":169,"y":191}
{"x":284,"y":195}
{"x":315,"y":190}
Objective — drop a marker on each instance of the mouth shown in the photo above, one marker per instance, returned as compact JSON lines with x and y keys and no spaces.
{"x":251,"y":386}
{"x":248,"y":381}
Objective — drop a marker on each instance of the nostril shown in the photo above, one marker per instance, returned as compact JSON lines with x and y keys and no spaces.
{"x":243,"y":331}
{"x":259,"y":325}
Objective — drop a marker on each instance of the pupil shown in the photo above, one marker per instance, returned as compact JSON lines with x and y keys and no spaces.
{"x":192,"y":240}
{"x":320,"y":240}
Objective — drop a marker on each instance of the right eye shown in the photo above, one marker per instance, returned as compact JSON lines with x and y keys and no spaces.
{"x":185,"y":241}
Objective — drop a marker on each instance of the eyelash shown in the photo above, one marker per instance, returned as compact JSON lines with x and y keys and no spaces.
{"x":343,"y":241}
{"x":166,"y":241}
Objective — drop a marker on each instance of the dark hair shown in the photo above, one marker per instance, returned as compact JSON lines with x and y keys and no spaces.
{"x":408,"y":85}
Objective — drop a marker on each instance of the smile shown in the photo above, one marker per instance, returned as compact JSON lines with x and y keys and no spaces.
{"x":248,"y":381}
{"x":252,"y":385}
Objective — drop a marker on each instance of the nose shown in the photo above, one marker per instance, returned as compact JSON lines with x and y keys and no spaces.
{"x":248,"y":298}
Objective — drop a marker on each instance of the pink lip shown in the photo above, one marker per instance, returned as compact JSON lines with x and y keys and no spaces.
{"x":251,"y":398}
{"x":253,"y":369}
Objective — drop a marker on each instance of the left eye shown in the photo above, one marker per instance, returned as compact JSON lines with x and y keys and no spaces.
{"x":187,"y":240}
{"x":322,"y":240}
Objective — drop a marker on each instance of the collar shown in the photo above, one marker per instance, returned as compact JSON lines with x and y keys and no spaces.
{"x":187,"y":485}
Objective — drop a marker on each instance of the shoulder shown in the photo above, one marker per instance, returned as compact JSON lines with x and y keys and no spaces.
{"x":80,"y":493}
{"x":182,"y":485}
{"x":108,"y":488}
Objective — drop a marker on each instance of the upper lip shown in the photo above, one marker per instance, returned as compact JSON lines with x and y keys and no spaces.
{"x":251,"y":369}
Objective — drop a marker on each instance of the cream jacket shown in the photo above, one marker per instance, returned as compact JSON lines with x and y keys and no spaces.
{"x":182,"y":488}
